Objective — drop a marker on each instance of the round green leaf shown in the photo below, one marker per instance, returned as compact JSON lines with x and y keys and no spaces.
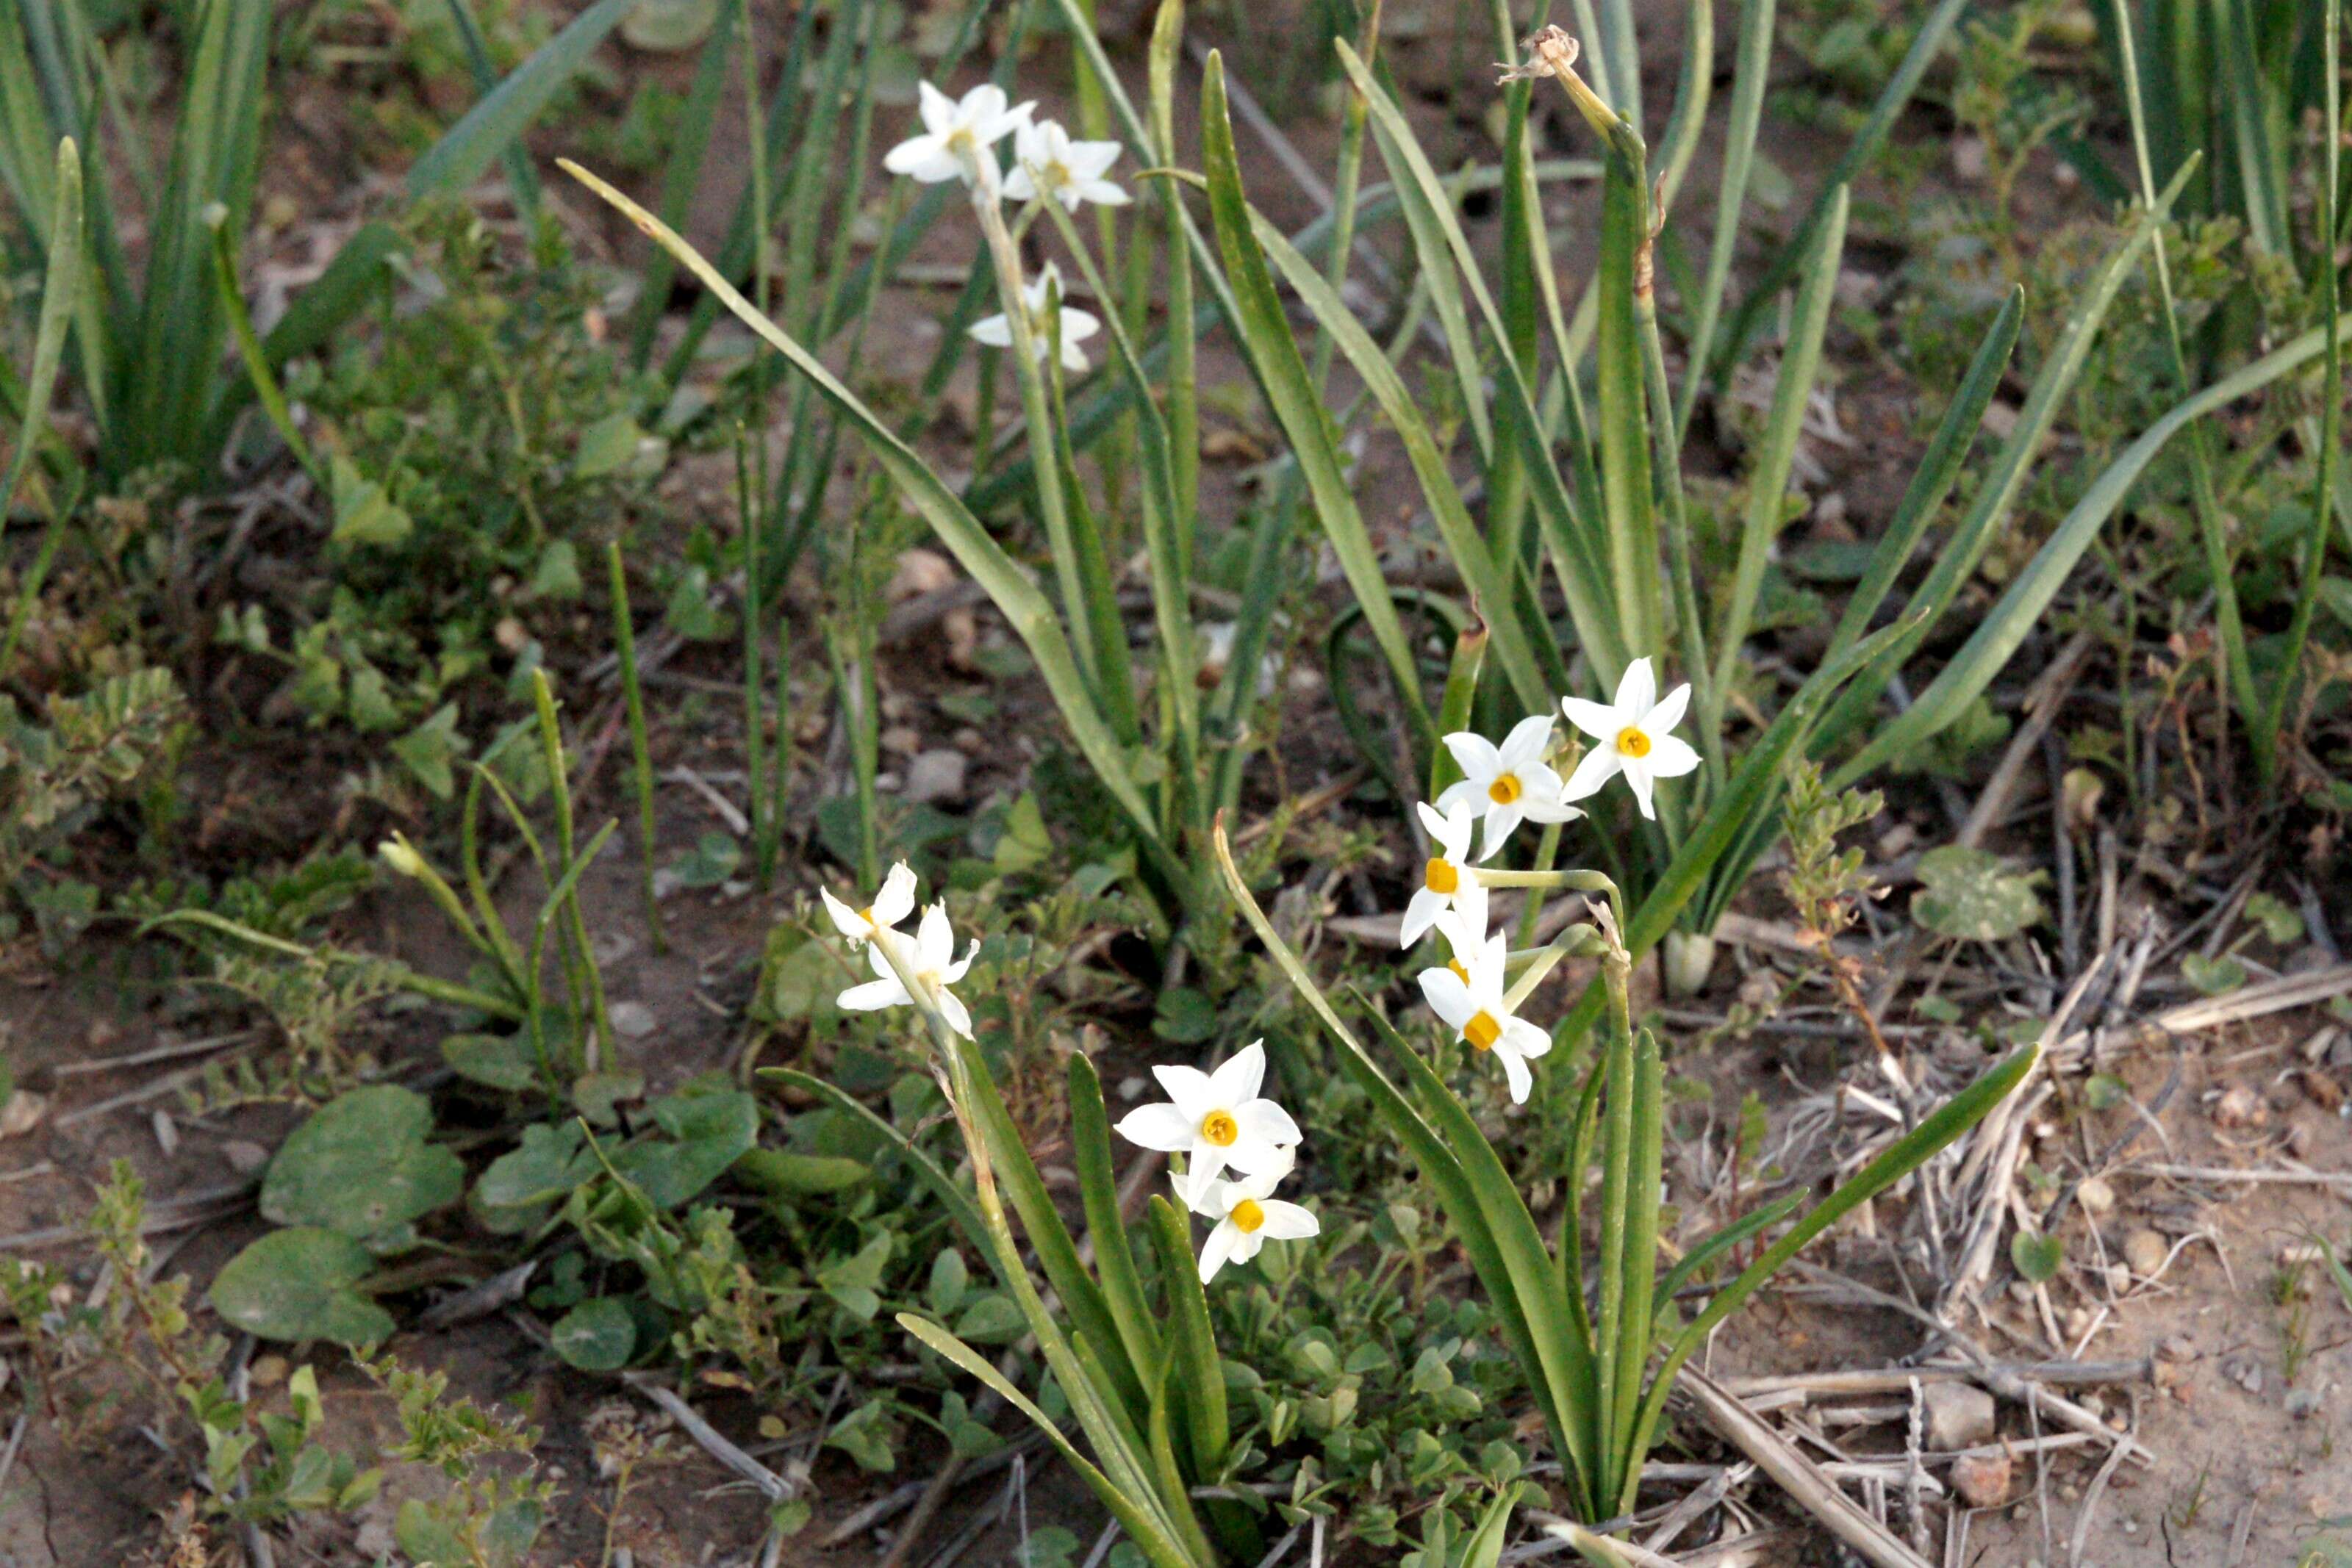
{"x":597,"y":1335}
{"x":1970,"y":894}
{"x":493,"y":1060}
{"x":2037,"y":1257}
{"x":362,"y":1166}
{"x":296,"y":1284}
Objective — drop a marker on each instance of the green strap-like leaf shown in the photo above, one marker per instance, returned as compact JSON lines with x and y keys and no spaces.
{"x":1282,"y":374}
{"x":1122,"y":1284}
{"x":1157,"y":1546}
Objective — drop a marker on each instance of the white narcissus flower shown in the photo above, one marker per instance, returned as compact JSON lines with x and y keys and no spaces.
{"x":932,"y":959}
{"x":1047,"y":163}
{"x":891,"y":906}
{"x":1215,"y":1120}
{"x":955,"y":131}
{"x":996,"y":331}
{"x":1463,"y":926}
{"x":1247,"y":1217}
{"x":1470,"y":1003}
{"x":1511,"y":783}
{"x":1447,"y":871}
{"x":1630,"y":736}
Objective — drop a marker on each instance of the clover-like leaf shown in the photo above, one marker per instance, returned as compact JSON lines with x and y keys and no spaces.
{"x":1971,"y":895}
{"x":2037,"y":1257}
{"x":708,"y":1132}
{"x":361,"y":1166}
{"x":550,"y":1163}
{"x":598,"y":1335}
{"x":296,"y":1284}
{"x":2213,"y":977}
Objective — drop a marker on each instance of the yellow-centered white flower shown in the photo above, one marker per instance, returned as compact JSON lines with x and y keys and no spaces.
{"x":891,"y":906}
{"x":1463,"y":926}
{"x":957,"y":136}
{"x":929,"y":958}
{"x":1630,"y":736}
{"x":1047,"y":163}
{"x":996,"y":330}
{"x":1215,"y":1120}
{"x":1447,"y":871}
{"x":1471,"y":1002}
{"x":1247,"y":1217}
{"x":1510,"y":783}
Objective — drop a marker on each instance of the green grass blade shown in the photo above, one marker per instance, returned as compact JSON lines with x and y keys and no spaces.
{"x":1907,"y":1154}
{"x":1998,"y":491}
{"x":1859,"y":153}
{"x":2261,"y":173}
{"x":1122,"y":1284}
{"x":1718,"y":1243}
{"x":1641,"y":1252}
{"x":1192,"y":1347}
{"x":1514,"y":641}
{"x":928,"y":1171}
{"x":517,"y":159}
{"x":2003,"y":632}
{"x":1461,"y":692}
{"x":1141,"y":1527}
{"x":1750,"y":71}
{"x":640,"y":760}
{"x":697,"y":120}
{"x":250,"y":349}
{"x":1938,"y":469}
{"x":491,"y":126}
{"x":987,"y":561}
{"x":60,"y":290}
{"x":1767,"y":484}
{"x":1281,"y":370}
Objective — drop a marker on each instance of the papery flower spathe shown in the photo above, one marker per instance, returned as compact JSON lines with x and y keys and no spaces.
{"x":1631,"y":737}
{"x":891,"y":906}
{"x":1471,"y":1002}
{"x":996,"y":331}
{"x":1447,"y":871}
{"x":931,"y":957}
{"x":1248,"y":1216}
{"x":1047,"y":163}
{"x":1510,"y":783}
{"x":957,"y":135}
{"x":1215,"y":1120}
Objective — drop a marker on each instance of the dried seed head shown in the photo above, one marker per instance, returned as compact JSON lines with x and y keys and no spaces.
{"x":1551,"y":51}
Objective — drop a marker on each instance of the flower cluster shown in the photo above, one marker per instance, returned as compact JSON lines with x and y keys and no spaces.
{"x":958,"y":141}
{"x":1501,"y":786}
{"x":928,"y":957}
{"x":1217,"y":1120}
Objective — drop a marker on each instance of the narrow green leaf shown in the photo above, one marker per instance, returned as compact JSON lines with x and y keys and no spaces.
{"x":1122,"y":1285}
{"x":1282,"y":375}
{"x":1191,"y":1345}
{"x":491,"y":126}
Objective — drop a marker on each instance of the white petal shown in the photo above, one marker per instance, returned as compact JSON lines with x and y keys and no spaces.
{"x":1074,"y":359}
{"x":1090,"y":160}
{"x":846,"y":920}
{"x":1668,"y":713}
{"x":1162,"y":1127}
{"x":1102,"y":192}
{"x":1460,"y":818}
{"x":1247,"y":1244}
{"x":1670,"y":757}
{"x":1079,"y":325}
{"x":1459,"y":792}
{"x":935,"y":109}
{"x":1219,"y":1249}
{"x":958,"y":1017}
{"x":996,"y":331}
{"x":1189,"y":1087}
{"x":1288,"y":1222}
{"x":1206,"y":1164}
{"x":1447,"y":997}
{"x":955,"y":971}
{"x":1265,"y":1119}
{"x":1523,"y":1038}
{"x":1475,"y":755}
{"x":1599,"y":765}
{"x":1420,"y":913}
{"x":935,"y":940}
{"x":1637,"y":779}
{"x":1237,"y":1080}
{"x":1598,"y":720}
{"x":872,"y":997}
{"x":920,"y":157}
{"x":981,"y":105}
{"x":1261,"y":1183}
{"x":1516,"y":1073}
{"x":1500,"y":822}
{"x":1259,"y":1159}
{"x":1017,"y":183}
{"x":1637,"y":693}
{"x":1527,"y":741}
{"x":1432,"y":818}
{"x":896,"y":899}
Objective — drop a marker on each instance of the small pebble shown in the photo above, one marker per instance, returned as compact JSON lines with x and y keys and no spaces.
{"x":2145,"y":1251}
{"x":2240,"y":1108}
{"x":1981,"y":1480}
{"x":244,"y":1155}
{"x":2095,"y":1195}
{"x":633,"y":1020}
